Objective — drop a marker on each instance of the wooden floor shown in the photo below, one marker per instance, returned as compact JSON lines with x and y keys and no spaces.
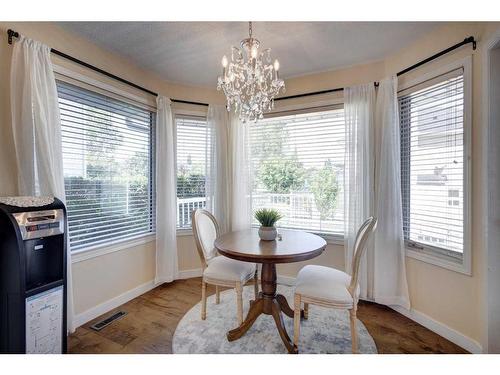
{"x":152,"y":318}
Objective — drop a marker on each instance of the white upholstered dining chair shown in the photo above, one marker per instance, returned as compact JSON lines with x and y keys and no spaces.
{"x":328,"y":287}
{"x":219,"y":270}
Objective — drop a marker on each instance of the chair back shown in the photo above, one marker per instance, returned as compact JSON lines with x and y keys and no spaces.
{"x":362,"y":236}
{"x":205,"y":231}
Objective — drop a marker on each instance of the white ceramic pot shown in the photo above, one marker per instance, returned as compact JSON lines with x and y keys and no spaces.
{"x":268,"y":233}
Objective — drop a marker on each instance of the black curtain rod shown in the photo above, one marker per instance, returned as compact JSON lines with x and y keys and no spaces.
{"x":468,"y":40}
{"x":309,"y":94}
{"x":14,"y":34}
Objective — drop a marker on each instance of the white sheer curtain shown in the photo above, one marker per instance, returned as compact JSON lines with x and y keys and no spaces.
{"x":217,"y":183}
{"x":36,"y":127}
{"x":166,"y":195}
{"x":390,"y":287}
{"x":241,"y":172}
{"x":372,"y":186}
{"x":358,"y":175}
{"x":35,"y":120}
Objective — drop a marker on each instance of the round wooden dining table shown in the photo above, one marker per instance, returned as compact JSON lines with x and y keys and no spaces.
{"x":246,"y":246}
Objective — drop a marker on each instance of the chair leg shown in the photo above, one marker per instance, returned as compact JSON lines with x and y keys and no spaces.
{"x":203,"y":300}
{"x":306,"y":310}
{"x":354,"y":333}
{"x":239,"y":302}
{"x":256,"y":284}
{"x":296,"y":321}
{"x":217,"y":295}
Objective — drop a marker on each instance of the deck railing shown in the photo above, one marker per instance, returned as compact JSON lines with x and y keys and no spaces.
{"x":299,"y":210}
{"x":184,"y":208}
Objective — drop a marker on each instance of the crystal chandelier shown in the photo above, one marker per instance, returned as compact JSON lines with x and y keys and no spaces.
{"x":249,"y":81}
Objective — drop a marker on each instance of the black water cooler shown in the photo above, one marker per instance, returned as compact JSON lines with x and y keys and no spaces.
{"x":33,"y":279}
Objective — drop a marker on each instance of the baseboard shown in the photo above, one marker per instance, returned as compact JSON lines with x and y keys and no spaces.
{"x":441,"y":329}
{"x":187,"y":274}
{"x":113,"y":303}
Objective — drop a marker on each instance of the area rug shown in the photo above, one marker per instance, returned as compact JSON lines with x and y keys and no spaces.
{"x":326,"y":330}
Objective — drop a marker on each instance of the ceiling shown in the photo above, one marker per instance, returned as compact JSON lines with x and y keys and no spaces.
{"x":190,"y":52}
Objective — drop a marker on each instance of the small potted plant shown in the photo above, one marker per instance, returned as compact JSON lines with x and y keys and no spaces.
{"x":267,"y":218}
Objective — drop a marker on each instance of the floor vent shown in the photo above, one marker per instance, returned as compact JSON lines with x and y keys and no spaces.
{"x":106,"y":322}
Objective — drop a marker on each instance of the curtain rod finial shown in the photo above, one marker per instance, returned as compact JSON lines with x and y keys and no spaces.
{"x":12,"y":34}
{"x":472,"y":40}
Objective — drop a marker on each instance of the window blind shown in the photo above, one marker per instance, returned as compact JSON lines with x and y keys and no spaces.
{"x":108,"y":158}
{"x":432,"y":163}
{"x":192,"y":154}
{"x":297,"y":168}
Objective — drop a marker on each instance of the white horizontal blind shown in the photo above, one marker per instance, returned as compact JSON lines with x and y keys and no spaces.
{"x":298,"y":166}
{"x":108,"y":167}
{"x":192,"y":153}
{"x":432,"y":164}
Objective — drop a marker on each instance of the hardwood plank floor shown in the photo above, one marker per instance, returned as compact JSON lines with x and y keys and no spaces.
{"x":152,"y":318}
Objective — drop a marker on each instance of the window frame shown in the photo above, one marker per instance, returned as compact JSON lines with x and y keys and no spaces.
{"x":329,"y":102}
{"x":179,"y":111}
{"x":85,"y":82}
{"x":444,"y":258}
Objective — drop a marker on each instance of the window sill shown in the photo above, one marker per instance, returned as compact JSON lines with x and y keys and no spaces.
{"x":331,"y":239}
{"x":100,"y":250}
{"x":431,"y":257}
{"x":184,"y":232}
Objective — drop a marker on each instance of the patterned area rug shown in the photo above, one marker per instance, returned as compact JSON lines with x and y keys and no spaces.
{"x":326,"y":330}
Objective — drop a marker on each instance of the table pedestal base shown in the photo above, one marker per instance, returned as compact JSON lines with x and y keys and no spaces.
{"x":269,"y":303}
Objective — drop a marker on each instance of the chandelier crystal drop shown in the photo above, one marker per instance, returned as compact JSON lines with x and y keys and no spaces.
{"x":250,"y":80}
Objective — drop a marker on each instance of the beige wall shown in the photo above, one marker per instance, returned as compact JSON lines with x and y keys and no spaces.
{"x":105,"y":277}
{"x":188,"y":257}
{"x":448,"y":297}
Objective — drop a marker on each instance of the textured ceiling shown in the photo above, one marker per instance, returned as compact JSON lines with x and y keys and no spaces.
{"x":190,"y":52}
